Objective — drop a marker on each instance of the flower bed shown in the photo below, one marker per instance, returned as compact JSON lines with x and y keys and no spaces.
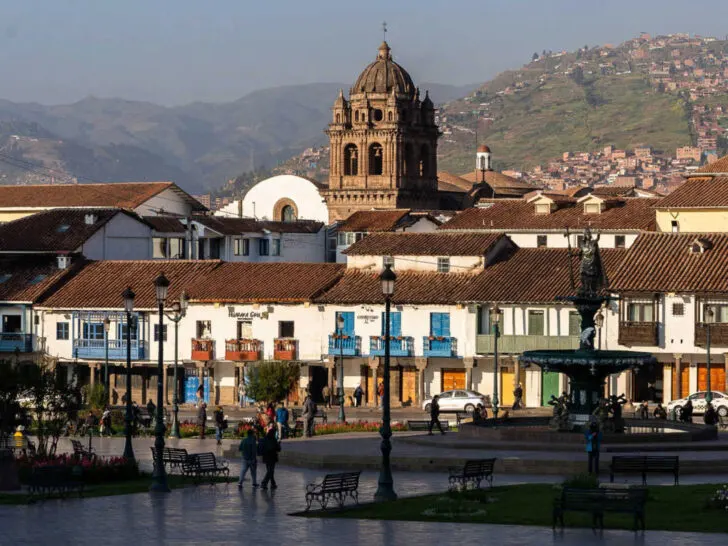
{"x":90,"y":471}
{"x":360,"y":426}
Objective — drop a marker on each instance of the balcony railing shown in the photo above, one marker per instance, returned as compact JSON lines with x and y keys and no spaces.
{"x":95,"y":348}
{"x":203,"y":349}
{"x":439,"y":346}
{"x":484,"y":344}
{"x":243,"y":350}
{"x":718,"y":334}
{"x":285,"y":348}
{"x":11,"y":342}
{"x":346,"y":345}
{"x":398,"y":346}
{"x":638,"y":333}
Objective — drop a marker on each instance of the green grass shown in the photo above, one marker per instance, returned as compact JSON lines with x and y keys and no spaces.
{"x":140,"y":485}
{"x":669,"y":508}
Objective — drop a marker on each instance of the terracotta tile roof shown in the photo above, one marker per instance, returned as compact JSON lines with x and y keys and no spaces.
{"x":127,"y":195}
{"x":165,"y":224}
{"x":233,"y":226}
{"x":496,"y":180}
{"x":698,"y":192}
{"x":625,"y":214}
{"x":623,"y":191}
{"x":373,"y":220}
{"x":29,"y":278}
{"x":452,"y":183}
{"x":720,"y":165}
{"x":424,"y":244}
{"x":663,"y":262}
{"x":56,"y":230}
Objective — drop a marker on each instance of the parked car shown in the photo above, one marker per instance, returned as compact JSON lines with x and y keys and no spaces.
{"x":457,"y":400}
{"x":720,"y":403}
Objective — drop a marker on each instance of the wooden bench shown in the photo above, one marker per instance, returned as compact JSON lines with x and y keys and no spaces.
{"x":199,"y":465}
{"x":643,"y":465}
{"x":473,"y":472}
{"x":82,"y":452}
{"x":425,"y":424}
{"x":598,"y":501}
{"x":172,"y":456}
{"x":297,"y":415}
{"x":45,"y":481}
{"x":334,"y":486}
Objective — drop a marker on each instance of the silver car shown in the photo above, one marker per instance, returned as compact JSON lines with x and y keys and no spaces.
{"x":457,"y":400}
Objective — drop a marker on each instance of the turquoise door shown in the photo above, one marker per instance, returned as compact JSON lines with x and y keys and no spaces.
{"x":395,"y":324}
{"x":549,"y":386}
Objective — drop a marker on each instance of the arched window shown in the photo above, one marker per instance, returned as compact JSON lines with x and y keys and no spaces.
{"x":424,"y":161}
{"x":389,"y":116}
{"x":288,"y":214}
{"x":410,"y":161}
{"x":376,"y":154}
{"x":356,"y":116}
{"x":378,"y":115}
{"x":338,"y":118}
{"x":351,"y":160}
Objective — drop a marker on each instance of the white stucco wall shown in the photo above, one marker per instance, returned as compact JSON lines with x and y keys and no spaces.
{"x":558,"y":240}
{"x":458,"y":264}
{"x":168,"y":201}
{"x":122,"y":238}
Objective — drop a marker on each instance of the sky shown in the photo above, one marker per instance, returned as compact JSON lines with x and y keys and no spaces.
{"x":175,"y":52}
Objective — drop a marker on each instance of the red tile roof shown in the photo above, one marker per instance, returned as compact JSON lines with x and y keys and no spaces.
{"x":452,"y":183}
{"x":720,"y":165}
{"x":497,"y":180}
{"x":698,"y":192}
{"x":424,"y":244}
{"x":624,"y":214}
{"x":233,"y":226}
{"x":30,"y":278}
{"x":663,"y":262}
{"x":374,"y":220}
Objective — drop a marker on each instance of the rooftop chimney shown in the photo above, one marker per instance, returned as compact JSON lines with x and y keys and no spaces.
{"x":90,"y":219}
{"x":64,"y":262}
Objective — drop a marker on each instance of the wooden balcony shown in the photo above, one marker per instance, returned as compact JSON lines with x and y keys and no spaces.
{"x":243,"y":350}
{"x":203,"y":349}
{"x":638,"y":333}
{"x":718,"y":334}
{"x":285,"y":348}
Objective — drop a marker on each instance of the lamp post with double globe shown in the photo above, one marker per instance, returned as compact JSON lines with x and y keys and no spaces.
{"x":159,"y":475}
{"x":340,"y":374}
{"x":179,"y":310}
{"x":495,"y":317}
{"x":128,"y":296}
{"x":107,"y":391}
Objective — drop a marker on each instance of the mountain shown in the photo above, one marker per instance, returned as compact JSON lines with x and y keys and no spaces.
{"x":200,"y":145}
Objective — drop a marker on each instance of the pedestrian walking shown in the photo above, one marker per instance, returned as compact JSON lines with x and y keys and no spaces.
{"x":219,"y":417}
{"x":282,"y":422}
{"x":644,"y":411}
{"x":358,"y":393}
{"x":309,"y":413}
{"x":271,"y":448}
{"x":241,"y":393}
{"x":326,"y":394}
{"x":200,"y":395}
{"x":248,"y":450}
{"x":202,"y":419}
{"x":517,"y":397}
{"x":711,"y":416}
{"x":106,"y":422}
{"x":380,"y":394}
{"x":593,"y":438}
{"x":435,"y":415}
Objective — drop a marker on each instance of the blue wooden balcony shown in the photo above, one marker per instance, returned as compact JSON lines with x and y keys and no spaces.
{"x":346,"y":345}
{"x":10,"y":343}
{"x":94,"y":348}
{"x":398,"y":346}
{"x":439,"y":346}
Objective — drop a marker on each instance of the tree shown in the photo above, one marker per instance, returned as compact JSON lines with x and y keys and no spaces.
{"x":271,"y":381}
{"x":12,"y":412}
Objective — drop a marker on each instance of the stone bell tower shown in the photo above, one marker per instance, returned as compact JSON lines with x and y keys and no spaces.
{"x":383,"y":143}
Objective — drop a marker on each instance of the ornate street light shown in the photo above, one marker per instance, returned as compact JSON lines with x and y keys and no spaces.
{"x":385,"y":491}
{"x":107,"y":327}
{"x":340,"y":375}
{"x":179,"y":310}
{"x":495,"y":317}
{"x":128,"y":296}
{"x":159,"y":475}
{"x":709,"y":318}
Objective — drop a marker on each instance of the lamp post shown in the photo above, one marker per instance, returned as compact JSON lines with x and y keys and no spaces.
{"x":159,"y":475}
{"x":340,"y":374}
{"x":495,"y":318}
{"x":385,"y":490}
{"x":107,"y":327}
{"x":709,"y":318}
{"x":179,"y":310}
{"x":128,"y":296}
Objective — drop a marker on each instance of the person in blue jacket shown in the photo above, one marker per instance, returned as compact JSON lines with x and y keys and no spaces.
{"x":593,"y":438}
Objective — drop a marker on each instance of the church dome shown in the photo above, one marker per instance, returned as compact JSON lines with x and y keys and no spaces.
{"x":384,"y":75}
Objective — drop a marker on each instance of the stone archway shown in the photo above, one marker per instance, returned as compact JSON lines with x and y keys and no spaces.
{"x":282,"y":206}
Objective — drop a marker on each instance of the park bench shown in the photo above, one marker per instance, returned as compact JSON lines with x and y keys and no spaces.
{"x":643,"y":465}
{"x":334,"y":486}
{"x":172,"y":456}
{"x":46,"y":481}
{"x":81,"y":452}
{"x":297,"y":415}
{"x":198,"y":465}
{"x":598,"y":501}
{"x":414,"y":424}
{"x":473,"y":472}
{"x":296,"y":430}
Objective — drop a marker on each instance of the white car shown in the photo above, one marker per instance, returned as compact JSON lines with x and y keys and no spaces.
{"x":720,"y":403}
{"x":457,"y":400}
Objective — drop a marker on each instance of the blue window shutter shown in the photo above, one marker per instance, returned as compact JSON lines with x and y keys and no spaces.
{"x":395,"y":328}
{"x":434,"y":324}
{"x":348,"y":322}
{"x":445,"y":324}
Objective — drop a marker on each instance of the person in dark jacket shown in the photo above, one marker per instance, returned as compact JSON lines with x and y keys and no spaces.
{"x":202,"y":419}
{"x":517,"y":397}
{"x":248,"y":450}
{"x":219,"y":424}
{"x":593,"y":437}
{"x":271,"y":448}
{"x":152,"y":411}
{"x":358,"y":393}
{"x":435,"y":415}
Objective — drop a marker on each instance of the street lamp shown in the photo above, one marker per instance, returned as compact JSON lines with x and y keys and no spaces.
{"x":128,"y":296}
{"x":495,"y":317}
{"x":159,"y":475}
{"x":385,"y":490}
{"x":709,"y":318}
{"x":107,"y":327}
{"x":179,"y":310}
{"x":340,"y":375}
{"x":599,"y":322}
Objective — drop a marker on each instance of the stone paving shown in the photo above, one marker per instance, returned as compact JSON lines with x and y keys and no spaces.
{"x":223,"y":515}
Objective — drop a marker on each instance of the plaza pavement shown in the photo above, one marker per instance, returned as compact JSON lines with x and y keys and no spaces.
{"x":222,"y":515}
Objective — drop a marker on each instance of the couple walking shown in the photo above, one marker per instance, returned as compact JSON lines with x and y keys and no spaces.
{"x":267,"y":448}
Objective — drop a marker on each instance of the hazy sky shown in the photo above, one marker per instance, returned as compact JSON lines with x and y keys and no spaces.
{"x":179,"y":51}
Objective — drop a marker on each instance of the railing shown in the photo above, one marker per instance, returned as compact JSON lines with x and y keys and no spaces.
{"x":243,"y":350}
{"x":439,"y":346}
{"x":484,"y":344}
{"x":285,"y":348}
{"x":96,"y":349}
{"x":718,"y":334}
{"x":11,"y":342}
{"x":638,"y":333}
{"x":203,"y":349}
{"x":398,"y":346}
{"x":346,"y":345}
